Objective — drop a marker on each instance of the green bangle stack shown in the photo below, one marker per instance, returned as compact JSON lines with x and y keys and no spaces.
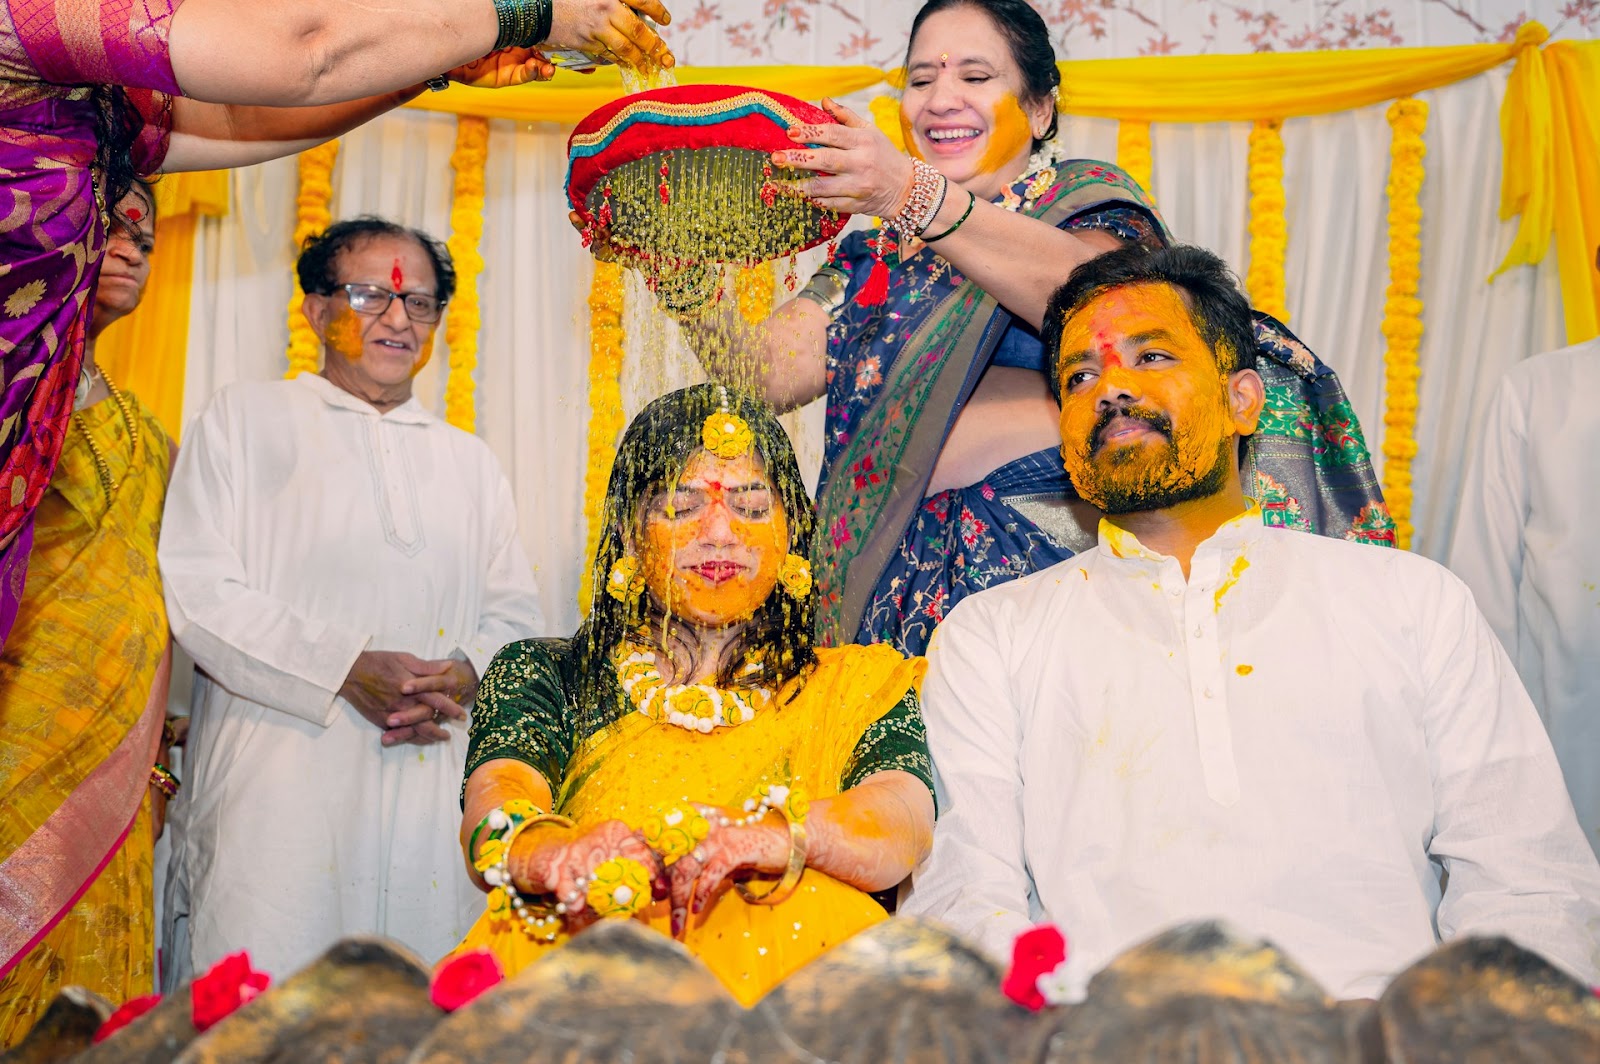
{"x":523,"y":23}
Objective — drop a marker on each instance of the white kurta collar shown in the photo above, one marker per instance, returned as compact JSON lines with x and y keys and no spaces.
{"x":1230,"y":538}
{"x":410,"y":412}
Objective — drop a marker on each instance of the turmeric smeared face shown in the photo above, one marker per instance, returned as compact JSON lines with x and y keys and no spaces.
{"x":1146,"y":418}
{"x":386,"y":348}
{"x":961,"y":109}
{"x":712,"y":544}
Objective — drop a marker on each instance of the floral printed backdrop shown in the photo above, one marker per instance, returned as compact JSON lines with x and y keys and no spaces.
{"x":730,"y":32}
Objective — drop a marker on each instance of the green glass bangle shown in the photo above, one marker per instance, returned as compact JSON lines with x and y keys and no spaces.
{"x":523,"y":23}
{"x":972,"y":201}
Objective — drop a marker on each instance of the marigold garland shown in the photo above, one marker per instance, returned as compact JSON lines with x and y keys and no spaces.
{"x":1133,"y":152}
{"x":311,"y":217}
{"x":466,"y":233}
{"x":605,"y":408}
{"x":1269,"y":226}
{"x":1402,"y":309}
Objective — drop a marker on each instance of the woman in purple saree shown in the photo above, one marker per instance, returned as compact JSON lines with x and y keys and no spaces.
{"x":149,"y":85}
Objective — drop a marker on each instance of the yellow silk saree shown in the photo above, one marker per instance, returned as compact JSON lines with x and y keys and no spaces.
{"x":82,"y":701}
{"x":848,"y":720}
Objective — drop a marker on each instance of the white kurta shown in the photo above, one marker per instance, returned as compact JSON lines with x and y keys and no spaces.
{"x":1297,"y":740}
{"x":301,"y":528}
{"x":1527,"y":542}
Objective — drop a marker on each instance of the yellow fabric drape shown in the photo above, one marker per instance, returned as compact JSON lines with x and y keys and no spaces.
{"x":1243,"y":88}
{"x":146,"y":352}
{"x":571,"y":96}
{"x":1550,"y":136}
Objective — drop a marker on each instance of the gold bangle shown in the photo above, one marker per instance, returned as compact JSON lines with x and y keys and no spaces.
{"x":786,"y":886}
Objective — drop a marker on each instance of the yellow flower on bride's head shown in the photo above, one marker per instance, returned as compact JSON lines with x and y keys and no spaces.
{"x":726,"y":435}
{"x":618,"y":887}
{"x":795,"y":576}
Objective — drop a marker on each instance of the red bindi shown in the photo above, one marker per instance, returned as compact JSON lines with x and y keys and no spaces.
{"x":133,"y":214}
{"x":398,"y":275}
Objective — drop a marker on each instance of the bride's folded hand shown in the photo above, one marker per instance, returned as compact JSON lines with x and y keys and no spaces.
{"x":726,"y":853}
{"x":563,"y":863}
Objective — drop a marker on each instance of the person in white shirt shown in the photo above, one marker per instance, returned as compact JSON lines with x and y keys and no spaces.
{"x":1320,"y":742}
{"x":1527,"y":542}
{"x":342,"y":565}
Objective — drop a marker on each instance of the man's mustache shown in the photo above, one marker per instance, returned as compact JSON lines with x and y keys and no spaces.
{"x":1151,"y":418}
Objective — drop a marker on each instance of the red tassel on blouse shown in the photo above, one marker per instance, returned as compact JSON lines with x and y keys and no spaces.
{"x":876,"y":290}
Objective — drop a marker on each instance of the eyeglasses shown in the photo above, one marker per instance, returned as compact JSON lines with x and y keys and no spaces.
{"x":370,"y":301}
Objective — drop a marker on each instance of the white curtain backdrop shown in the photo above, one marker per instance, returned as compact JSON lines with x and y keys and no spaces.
{"x":531,"y":376}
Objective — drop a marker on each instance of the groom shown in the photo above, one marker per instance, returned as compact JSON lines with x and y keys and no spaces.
{"x":1209,"y":717}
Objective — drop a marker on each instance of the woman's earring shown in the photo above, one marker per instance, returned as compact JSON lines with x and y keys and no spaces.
{"x":625,"y":582}
{"x":795,"y":576}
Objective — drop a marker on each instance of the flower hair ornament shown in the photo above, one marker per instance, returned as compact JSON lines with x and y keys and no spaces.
{"x":625,"y":581}
{"x":726,"y":434}
{"x":794,"y":575}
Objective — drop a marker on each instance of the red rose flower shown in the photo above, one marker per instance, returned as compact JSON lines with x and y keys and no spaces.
{"x":1035,"y":952}
{"x":229,"y":984}
{"x":462,"y":978}
{"x":129,"y":1012}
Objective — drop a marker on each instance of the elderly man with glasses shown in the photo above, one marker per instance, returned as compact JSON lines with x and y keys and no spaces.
{"x":342,"y":565}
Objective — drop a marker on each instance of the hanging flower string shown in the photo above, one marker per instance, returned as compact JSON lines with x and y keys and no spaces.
{"x":311,"y":217}
{"x":1402,"y":309}
{"x":466,"y":233}
{"x":605,"y":407}
{"x":1269,"y":228}
{"x":754,"y":287}
{"x":1133,"y":152}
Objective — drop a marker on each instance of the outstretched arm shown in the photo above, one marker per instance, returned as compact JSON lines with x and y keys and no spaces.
{"x":288,"y":53}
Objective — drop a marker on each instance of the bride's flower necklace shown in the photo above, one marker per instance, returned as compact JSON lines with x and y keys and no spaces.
{"x":697,"y":707}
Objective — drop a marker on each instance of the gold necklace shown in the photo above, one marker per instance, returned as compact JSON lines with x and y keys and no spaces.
{"x":101,"y":466}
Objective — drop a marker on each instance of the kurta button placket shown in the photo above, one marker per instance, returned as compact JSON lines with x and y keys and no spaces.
{"x":1208,"y":694}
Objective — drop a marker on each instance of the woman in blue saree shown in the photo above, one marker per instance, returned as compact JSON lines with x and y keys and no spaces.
{"x":941,"y":472}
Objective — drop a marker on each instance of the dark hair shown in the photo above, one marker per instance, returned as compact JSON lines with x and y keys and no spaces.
{"x":117,"y":125}
{"x":1029,"y":38}
{"x":654,"y":451}
{"x":316,"y":265}
{"x":1219,"y":311}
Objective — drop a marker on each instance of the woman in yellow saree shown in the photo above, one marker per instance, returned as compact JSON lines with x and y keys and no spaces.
{"x":83,"y":691}
{"x":706,"y":769}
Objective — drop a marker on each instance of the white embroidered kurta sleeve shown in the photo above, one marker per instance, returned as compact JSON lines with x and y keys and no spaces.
{"x":254,"y":644}
{"x":975,"y":878}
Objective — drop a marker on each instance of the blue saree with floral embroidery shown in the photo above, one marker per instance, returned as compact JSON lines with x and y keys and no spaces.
{"x":891,"y":560}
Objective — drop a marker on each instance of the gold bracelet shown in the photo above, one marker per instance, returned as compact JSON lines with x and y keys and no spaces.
{"x":786,"y":886}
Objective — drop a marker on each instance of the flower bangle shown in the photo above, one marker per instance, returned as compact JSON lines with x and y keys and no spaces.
{"x":786,"y":886}
{"x":541,"y":921}
{"x":162,"y":779}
